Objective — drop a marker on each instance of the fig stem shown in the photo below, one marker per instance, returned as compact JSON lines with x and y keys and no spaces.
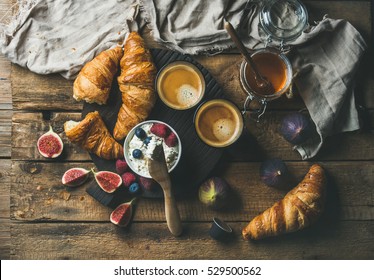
{"x":132,"y":200}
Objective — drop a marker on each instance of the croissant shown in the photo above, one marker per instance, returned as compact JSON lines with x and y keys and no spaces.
{"x":94,"y":81}
{"x":92,"y":135}
{"x":298,"y":209}
{"x":136,"y":84}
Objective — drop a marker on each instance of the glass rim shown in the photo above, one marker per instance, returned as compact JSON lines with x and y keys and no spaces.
{"x":169,"y":66}
{"x":236,"y":109}
{"x":271,"y":29}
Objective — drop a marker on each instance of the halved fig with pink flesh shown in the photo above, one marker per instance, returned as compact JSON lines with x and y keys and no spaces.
{"x":108,"y":181}
{"x":121,"y":216}
{"x":50,"y":144}
{"x":75,"y":177}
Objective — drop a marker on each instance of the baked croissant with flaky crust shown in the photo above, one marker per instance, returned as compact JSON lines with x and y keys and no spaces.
{"x":93,"y":136}
{"x":300,"y":208}
{"x":94,"y":81}
{"x":136,"y":83}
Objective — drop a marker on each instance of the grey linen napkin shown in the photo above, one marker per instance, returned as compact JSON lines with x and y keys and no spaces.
{"x":51,"y":36}
{"x":326,"y":56}
{"x":328,"y":64}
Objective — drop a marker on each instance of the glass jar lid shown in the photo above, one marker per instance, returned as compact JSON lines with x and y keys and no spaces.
{"x":284,"y":20}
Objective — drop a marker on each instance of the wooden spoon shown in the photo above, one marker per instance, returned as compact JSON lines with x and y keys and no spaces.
{"x":261,"y":81}
{"x":159,"y":172}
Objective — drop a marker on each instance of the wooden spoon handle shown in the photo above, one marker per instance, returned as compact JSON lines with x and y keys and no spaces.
{"x":234,"y":36}
{"x":230,"y":29}
{"x":171,"y":211}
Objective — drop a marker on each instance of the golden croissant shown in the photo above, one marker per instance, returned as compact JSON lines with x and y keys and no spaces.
{"x":93,"y":136}
{"x":136,"y":83}
{"x":300,"y":208}
{"x":94,"y":81}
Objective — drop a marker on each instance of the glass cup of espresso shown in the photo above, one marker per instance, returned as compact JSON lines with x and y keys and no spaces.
{"x":276,"y":68}
{"x":180,"y":85}
{"x":218,"y":123}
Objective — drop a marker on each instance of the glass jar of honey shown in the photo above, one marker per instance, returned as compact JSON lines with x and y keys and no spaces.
{"x":282,"y":21}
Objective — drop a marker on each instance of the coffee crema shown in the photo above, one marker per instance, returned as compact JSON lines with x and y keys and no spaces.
{"x":218,"y":123}
{"x":180,"y":85}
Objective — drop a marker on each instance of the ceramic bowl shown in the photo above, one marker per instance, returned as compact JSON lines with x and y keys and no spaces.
{"x":139,"y":166}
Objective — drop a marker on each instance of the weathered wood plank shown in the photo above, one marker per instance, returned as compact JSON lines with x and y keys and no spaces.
{"x":262,"y":140}
{"x":5,"y":166}
{"x":350,"y":240}
{"x":55,"y":93}
{"x":5,"y":132}
{"x":5,"y":84}
{"x":33,"y":125}
{"x":37,"y":194}
{"x":51,"y":93}
{"x":5,"y":145}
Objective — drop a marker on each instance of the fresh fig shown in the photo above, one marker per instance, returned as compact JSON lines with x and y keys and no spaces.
{"x":296,"y":128}
{"x":50,"y":144}
{"x":274,"y":173}
{"x":75,"y":177}
{"x":121,"y":216}
{"x":108,"y":181}
{"x":214,"y":192}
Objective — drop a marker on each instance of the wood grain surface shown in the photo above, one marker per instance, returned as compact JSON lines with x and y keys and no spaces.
{"x":261,"y":140}
{"x":37,"y":194}
{"x":50,"y":221}
{"x":349,"y":240}
{"x":5,"y":141}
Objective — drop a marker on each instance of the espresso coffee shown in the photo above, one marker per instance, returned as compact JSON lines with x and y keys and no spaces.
{"x":180,"y":85}
{"x":218,"y":123}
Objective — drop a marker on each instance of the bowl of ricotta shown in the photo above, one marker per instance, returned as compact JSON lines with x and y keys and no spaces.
{"x":142,"y":140}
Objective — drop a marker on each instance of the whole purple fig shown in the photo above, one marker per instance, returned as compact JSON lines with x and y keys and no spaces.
{"x":296,"y":128}
{"x":274,"y":173}
{"x":214,"y":192}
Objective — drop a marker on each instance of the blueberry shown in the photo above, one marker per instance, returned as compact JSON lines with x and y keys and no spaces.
{"x":137,"y":153}
{"x":140,"y":133}
{"x":147,"y":140}
{"x":134,"y":188}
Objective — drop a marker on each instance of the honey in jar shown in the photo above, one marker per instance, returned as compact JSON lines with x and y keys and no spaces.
{"x":271,"y":67}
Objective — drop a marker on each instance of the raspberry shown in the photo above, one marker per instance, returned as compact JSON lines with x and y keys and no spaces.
{"x":171,"y":140}
{"x":128,"y":178}
{"x":146,"y":183}
{"x":160,"y":130}
{"x":121,"y":166}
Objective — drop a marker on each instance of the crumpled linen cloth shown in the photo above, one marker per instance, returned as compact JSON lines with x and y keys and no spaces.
{"x":60,"y":36}
{"x":49,"y":36}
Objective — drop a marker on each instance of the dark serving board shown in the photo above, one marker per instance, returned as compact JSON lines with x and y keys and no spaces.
{"x":198,"y":159}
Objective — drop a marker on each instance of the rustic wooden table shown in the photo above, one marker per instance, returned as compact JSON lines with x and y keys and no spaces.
{"x":41,"y":219}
